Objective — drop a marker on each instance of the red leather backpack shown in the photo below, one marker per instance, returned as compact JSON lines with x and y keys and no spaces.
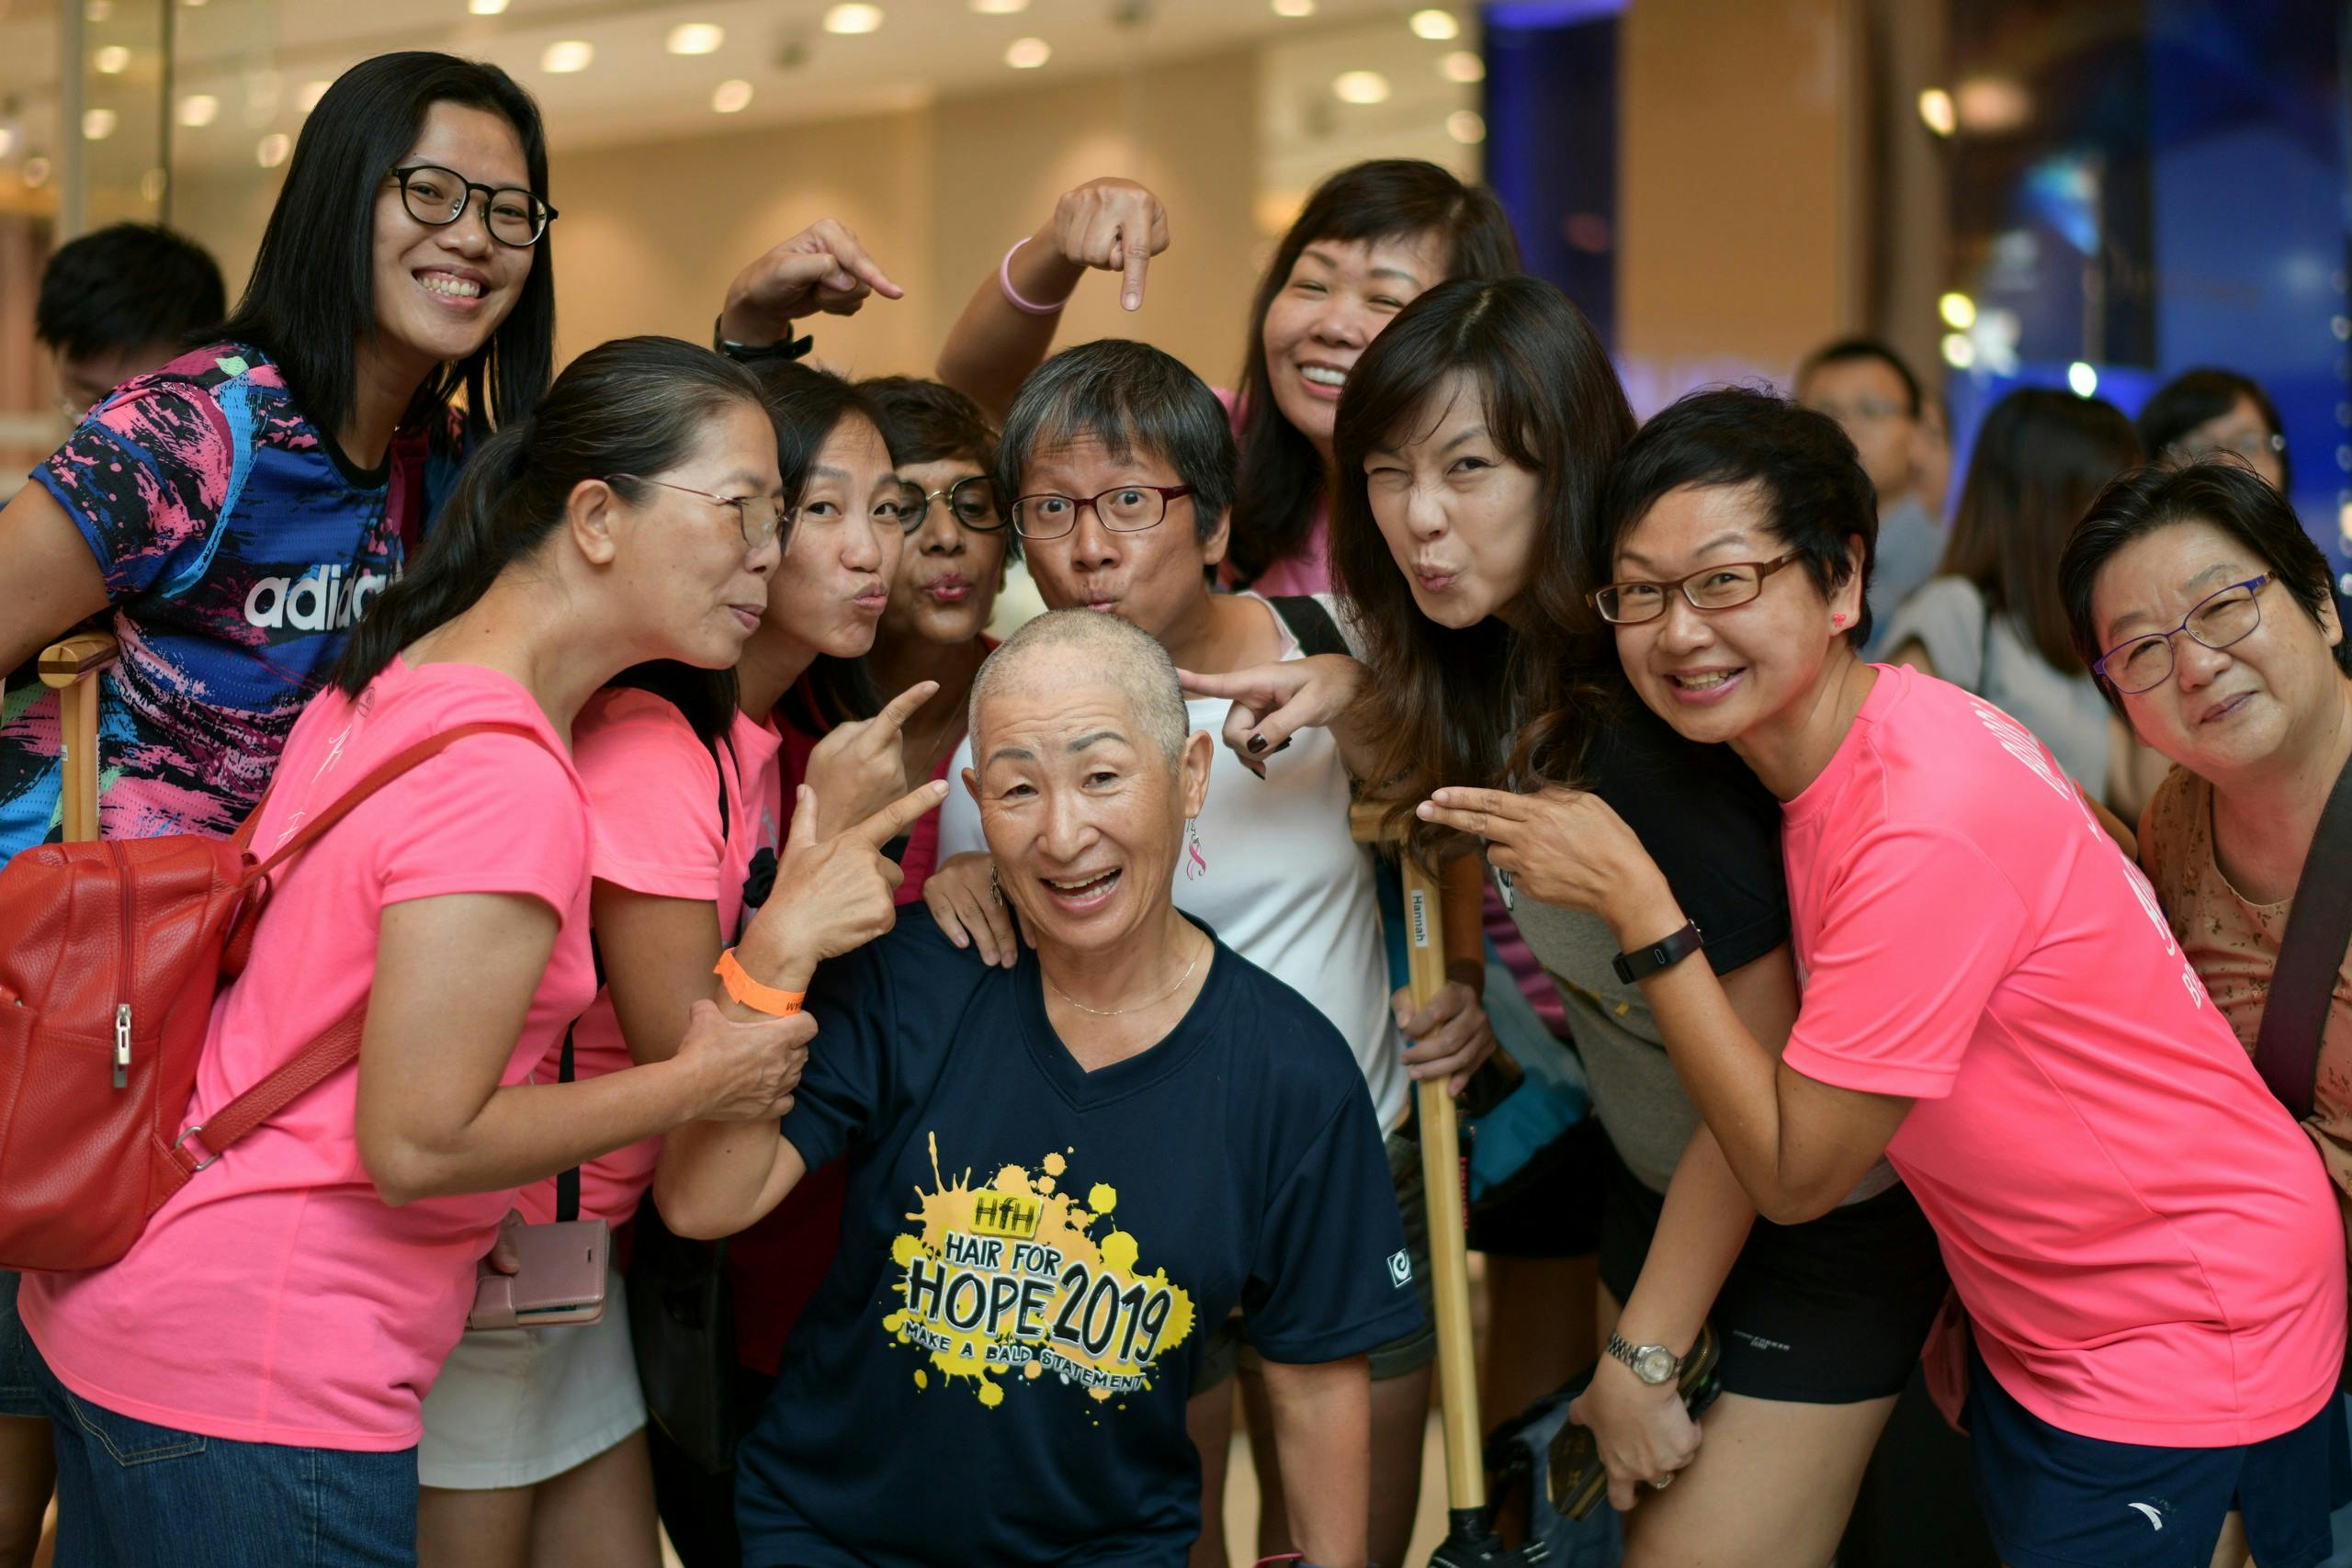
{"x":110,"y":955}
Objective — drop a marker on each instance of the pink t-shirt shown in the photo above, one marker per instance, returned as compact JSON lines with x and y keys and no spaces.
{"x":654,"y":798}
{"x":276,"y":1298}
{"x":2143,"y":1238}
{"x":1309,"y":571}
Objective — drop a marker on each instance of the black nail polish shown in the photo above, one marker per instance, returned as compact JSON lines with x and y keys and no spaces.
{"x":1283,"y":746}
{"x":1257,"y":744}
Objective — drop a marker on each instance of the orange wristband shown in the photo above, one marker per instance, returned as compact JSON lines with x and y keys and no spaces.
{"x":751,"y":993}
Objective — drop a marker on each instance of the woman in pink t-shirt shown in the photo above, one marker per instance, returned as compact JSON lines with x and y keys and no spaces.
{"x":2145,"y":1242}
{"x":1368,"y":239}
{"x":244,"y":1385}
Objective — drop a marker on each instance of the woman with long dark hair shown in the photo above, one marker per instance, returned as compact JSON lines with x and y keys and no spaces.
{"x":1992,"y":620}
{"x":244,"y":1383}
{"x":1369,"y":240}
{"x":1475,"y":444}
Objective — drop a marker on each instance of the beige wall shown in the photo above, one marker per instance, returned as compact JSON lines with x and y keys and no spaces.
{"x":1735,"y":212}
{"x":650,"y":234}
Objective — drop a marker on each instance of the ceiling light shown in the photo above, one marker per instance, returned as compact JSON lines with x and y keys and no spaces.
{"x":1028,"y":53}
{"x":112,"y":59}
{"x":1960,"y":352}
{"x":486,"y":7}
{"x":730,"y":97}
{"x":1434,"y":25}
{"x":696,"y":38}
{"x":570,"y":55}
{"x":98,"y":11}
{"x":1466,"y":126}
{"x":2082,"y":379}
{"x":1360,"y":88}
{"x":1293,"y":8}
{"x":193,"y":5}
{"x":1462,"y":66}
{"x":312,"y":93}
{"x":271,"y":149}
{"x":7,"y":141}
{"x":1993,"y":104}
{"x":199,"y":109}
{"x":1935,"y":111}
{"x":854,"y":18}
{"x":1000,"y":7}
{"x":97,"y":124}
{"x":1958,"y":311}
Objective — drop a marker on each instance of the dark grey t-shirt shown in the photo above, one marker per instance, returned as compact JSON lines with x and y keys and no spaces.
{"x":1715,"y":832}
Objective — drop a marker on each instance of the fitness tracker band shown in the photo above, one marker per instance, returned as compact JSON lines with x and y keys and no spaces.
{"x":1664,"y":954}
{"x":787,"y":347}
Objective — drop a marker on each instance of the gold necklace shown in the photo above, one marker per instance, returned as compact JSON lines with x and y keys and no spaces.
{"x":1120,"y":1012}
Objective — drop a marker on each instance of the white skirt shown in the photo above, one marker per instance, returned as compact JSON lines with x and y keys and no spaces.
{"x":515,"y":1406}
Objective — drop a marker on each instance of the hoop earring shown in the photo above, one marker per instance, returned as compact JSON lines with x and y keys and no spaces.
{"x":1196,"y":864}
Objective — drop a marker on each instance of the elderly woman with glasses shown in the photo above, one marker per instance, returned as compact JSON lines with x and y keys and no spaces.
{"x":1120,"y":462}
{"x":1063,"y":1176}
{"x":2204,"y":610}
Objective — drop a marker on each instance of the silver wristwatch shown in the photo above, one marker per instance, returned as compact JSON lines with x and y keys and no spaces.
{"x":1654,"y":1364}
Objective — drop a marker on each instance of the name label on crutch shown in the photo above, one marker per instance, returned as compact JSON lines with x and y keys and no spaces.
{"x":1419,"y":903}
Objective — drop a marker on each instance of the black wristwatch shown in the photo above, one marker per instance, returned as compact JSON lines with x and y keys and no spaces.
{"x":787,"y":347}
{"x":1663,"y":954}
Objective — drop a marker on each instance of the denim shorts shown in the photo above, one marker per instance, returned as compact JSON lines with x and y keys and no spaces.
{"x":17,"y":1395}
{"x":131,"y":1491}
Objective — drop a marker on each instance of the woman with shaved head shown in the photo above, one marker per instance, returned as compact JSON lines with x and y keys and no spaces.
{"x":1063,"y":1175}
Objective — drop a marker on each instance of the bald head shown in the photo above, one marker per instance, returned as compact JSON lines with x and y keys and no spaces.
{"x":1061,"y":645}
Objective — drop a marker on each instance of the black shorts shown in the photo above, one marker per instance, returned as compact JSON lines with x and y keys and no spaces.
{"x":2055,"y":1500}
{"x":1830,"y":1312}
{"x":1551,"y":1209}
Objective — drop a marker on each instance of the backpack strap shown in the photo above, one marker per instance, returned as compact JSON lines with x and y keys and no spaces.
{"x":1310,"y":624}
{"x":2319,"y":927}
{"x":338,"y":1047}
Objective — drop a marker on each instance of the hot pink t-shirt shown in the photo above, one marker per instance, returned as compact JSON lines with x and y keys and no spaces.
{"x":1309,"y":571}
{"x":276,"y":1298}
{"x":2143,"y":1238}
{"x":654,"y":800}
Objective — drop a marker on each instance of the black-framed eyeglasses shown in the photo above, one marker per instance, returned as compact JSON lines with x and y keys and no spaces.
{"x":761,"y":517}
{"x":437,"y":197}
{"x":2221,"y":618}
{"x":1126,"y":509}
{"x":2250,"y":446}
{"x":1721,"y":587}
{"x":971,"y":500}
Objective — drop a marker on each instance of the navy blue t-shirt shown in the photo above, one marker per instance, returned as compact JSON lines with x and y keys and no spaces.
{"x":996,"y":1368}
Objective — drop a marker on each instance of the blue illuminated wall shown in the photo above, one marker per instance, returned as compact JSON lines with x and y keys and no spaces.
{"x":1551,"y":110}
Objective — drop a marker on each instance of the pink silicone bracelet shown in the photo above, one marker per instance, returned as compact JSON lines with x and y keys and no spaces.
{"x":1012,"y":296}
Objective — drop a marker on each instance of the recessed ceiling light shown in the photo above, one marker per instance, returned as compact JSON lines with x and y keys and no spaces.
{"x":199,"y":109}
{"x":2082,"y":380}
{"x":730,"y":97}
{"x":1293,"y":8}
{"x":1936,"y":113}
{"x":696,"y":38}
{"x":564,"y":58}
{"x":271,"y":149}
{"x":312,"y":93}
{"x":486,"y":7}
{"x":97,"y":124}
{"x":1462,"y":66}
{"x":1466,"y":126}
{"x":1958,"y":311}
{"x":193,"y":5}
{"x":854,"y":18}
{"x":112,"y":60}
{"x":1434,"y":25}
{"x":1028,"y":53}
{"x":1000,"y":7}
{"x":1360,"y":88}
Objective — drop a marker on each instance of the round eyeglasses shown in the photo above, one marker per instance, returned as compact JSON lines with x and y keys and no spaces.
{"x":437,"y":197}
{"x":2217,"y":621}
{"x":1129,"y":508}
{"x":761,"y":517}
{"x":1723,"y":587}
{"x":971,"y":500}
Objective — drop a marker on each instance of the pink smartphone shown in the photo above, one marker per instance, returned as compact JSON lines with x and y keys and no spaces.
{"x":561,"y":1279}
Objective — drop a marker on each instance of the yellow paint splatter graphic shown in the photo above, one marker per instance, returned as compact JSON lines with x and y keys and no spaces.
{"x":1004,"y":1279}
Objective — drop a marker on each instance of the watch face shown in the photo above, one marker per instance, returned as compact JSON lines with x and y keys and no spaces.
{"x":1654,"y":1363}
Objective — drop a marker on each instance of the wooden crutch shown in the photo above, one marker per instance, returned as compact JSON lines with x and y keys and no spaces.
{"x":1470,"y":1539}
{"x":71,"y":669}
